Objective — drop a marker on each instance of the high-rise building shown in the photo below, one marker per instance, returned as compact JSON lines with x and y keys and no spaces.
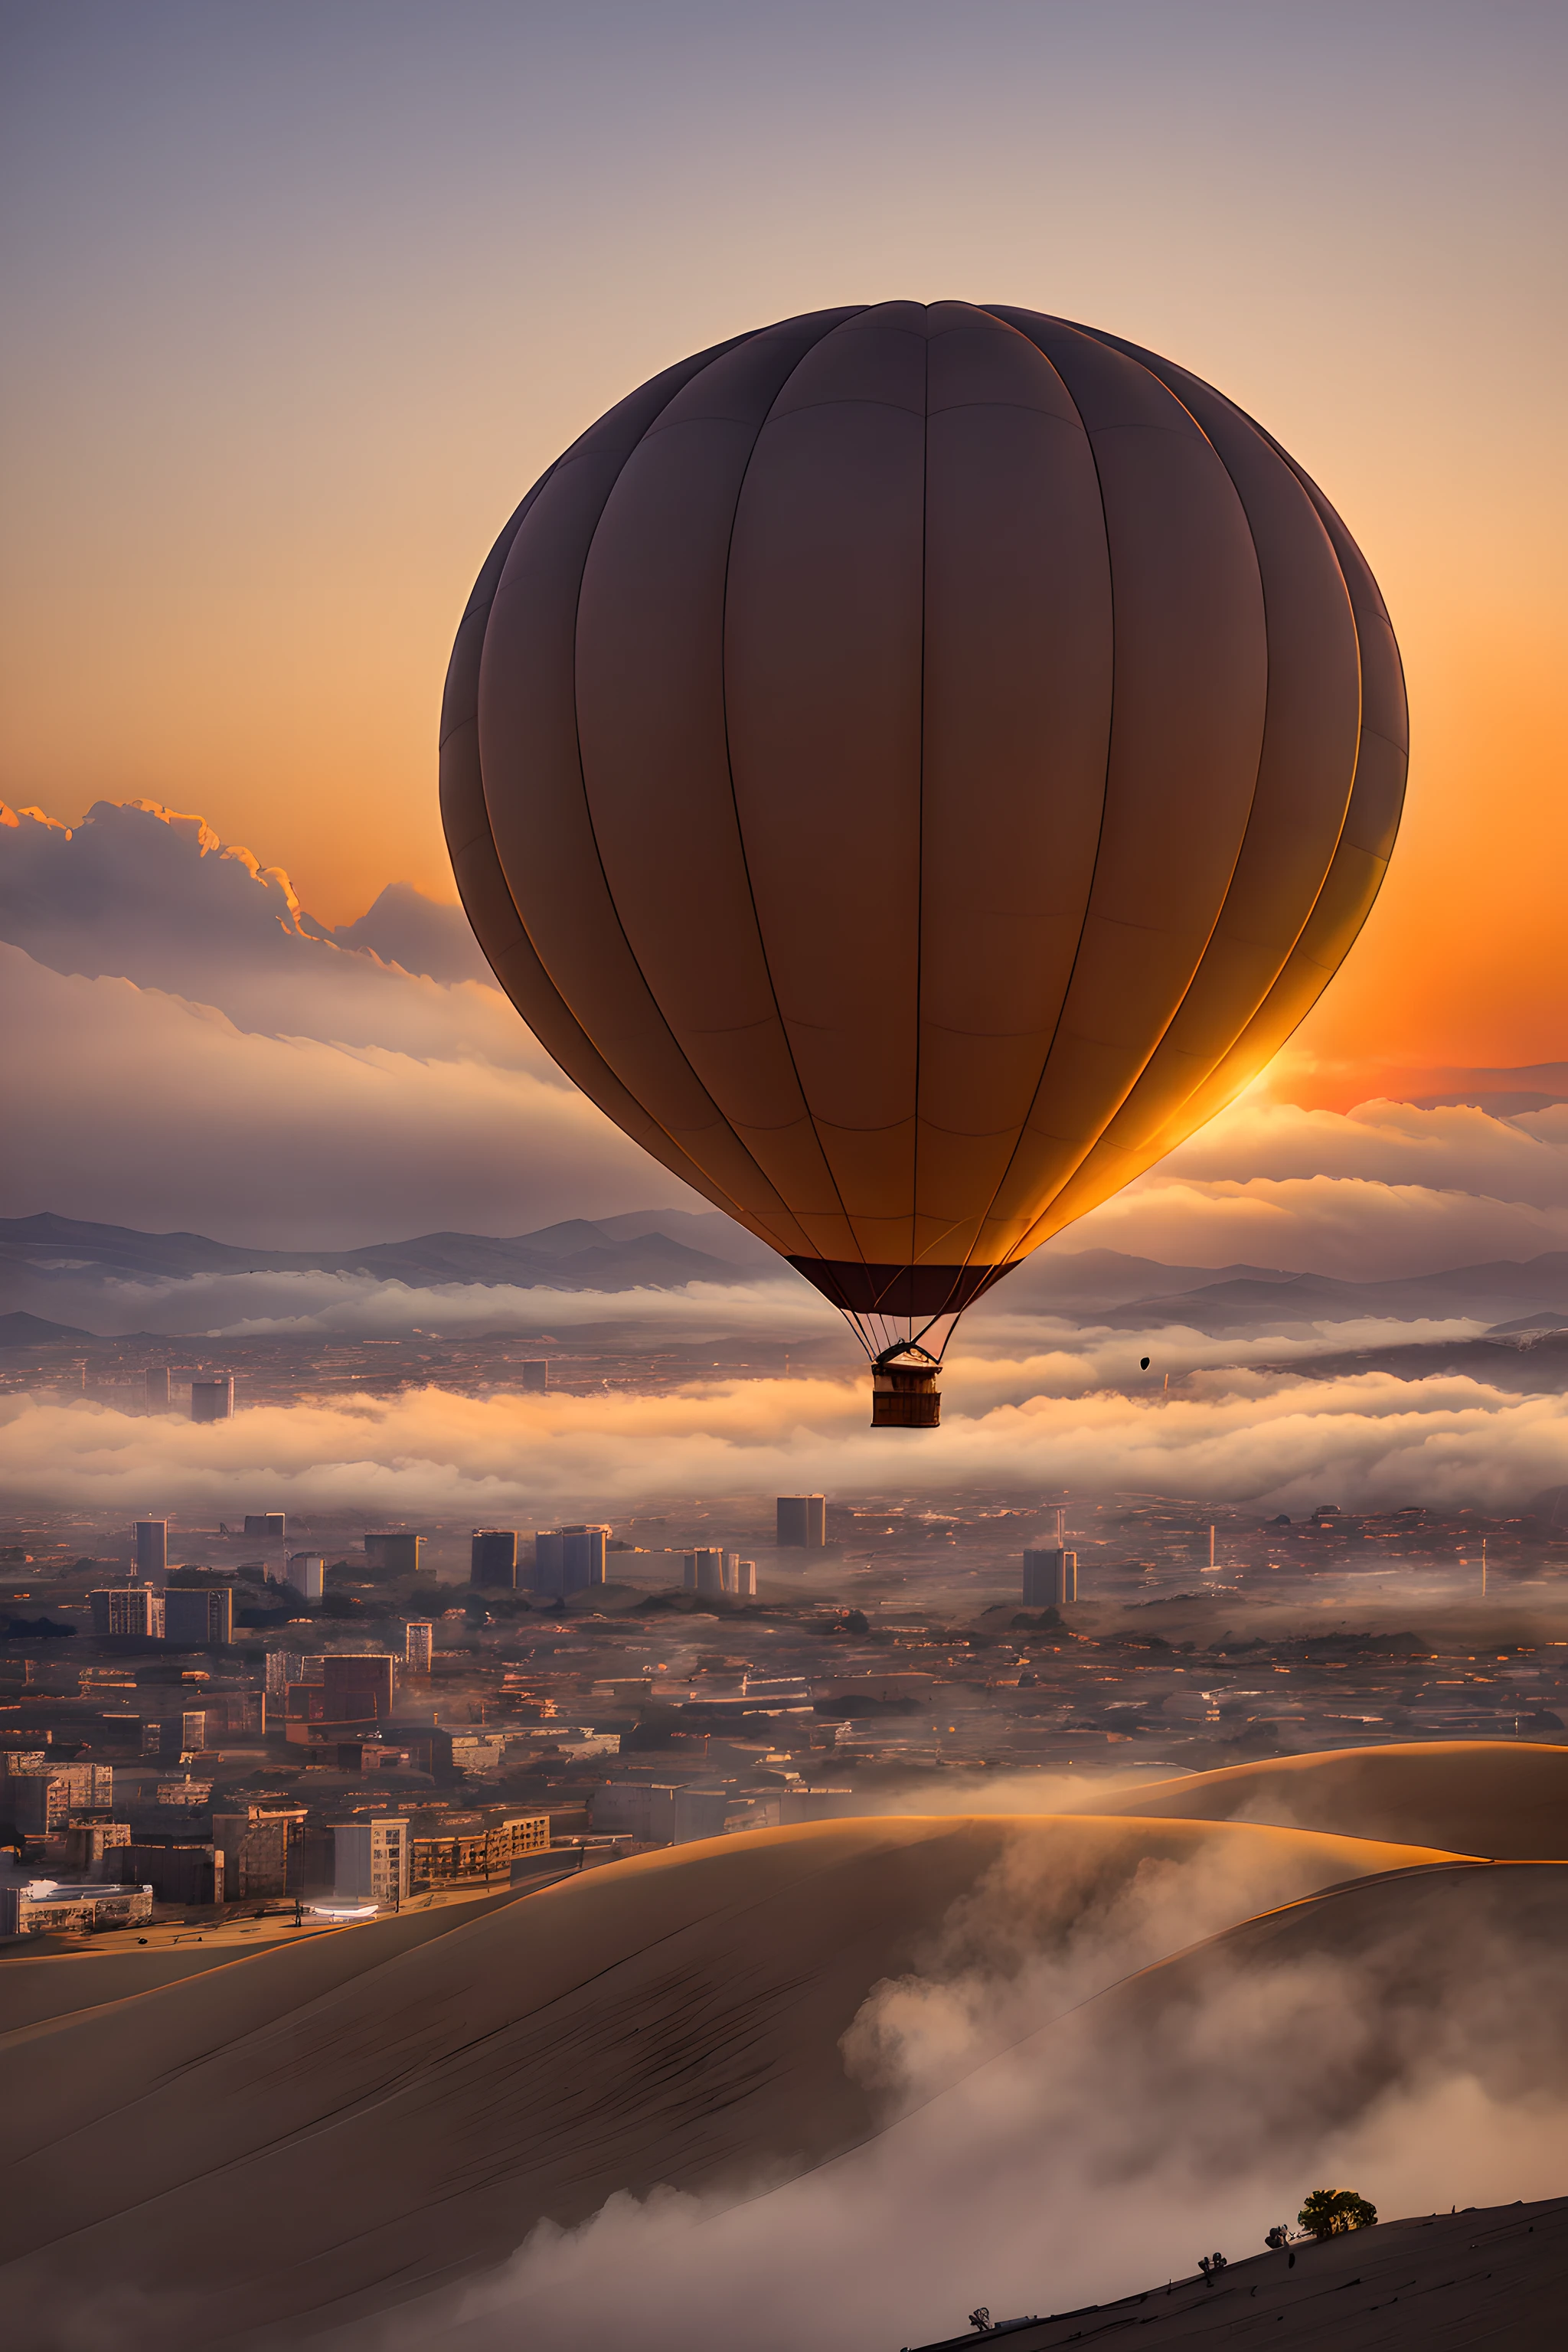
{"x":261,"y":1848}
{"x":124,"y":1609}
{"x":38,"y":1803}
{"x":205,"y":1727}
{"x":357,"y":1684}
{"x":568,"y":1560}
{"x":285,"y":1667}
{"x":397,"y":1552}
{"x":704,"y":1572}
{"x":152,"y":1550}
{"x":583,"y":1549}
{"x":41,"y":1803}
{"x":476,"y":1853}
{"x":371,"y":1859}
{"x":547,"y":1576}
{"x":265,"y":1526}
{"x":307,"y":1570}
{"x":89,"y":1849}
{"x":493,"y":1559}
{"x":200,"y":1620}
{"x":535,"y":1378}
{"x":155,"y":1385}
{"x":213,"y":1400}
{"x":248,"y":1711}
{"x":419,"y":1644}
{"x":184,"y":1870}
{"x":801,"y":1522}
{"x":1050,"y":1577}
{"x":744,"y":1585}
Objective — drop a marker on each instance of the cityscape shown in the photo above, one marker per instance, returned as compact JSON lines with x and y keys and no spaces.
{"x":784,"y":1229}
{"x":240,"y":1735}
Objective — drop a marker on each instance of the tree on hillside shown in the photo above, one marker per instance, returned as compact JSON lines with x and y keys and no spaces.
{"x":1330,"y":2212}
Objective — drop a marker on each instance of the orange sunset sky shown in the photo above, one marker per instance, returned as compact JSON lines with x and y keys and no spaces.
{"x":301,"y":300}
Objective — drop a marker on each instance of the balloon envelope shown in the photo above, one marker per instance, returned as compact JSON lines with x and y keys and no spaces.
{"x":910,"y":766}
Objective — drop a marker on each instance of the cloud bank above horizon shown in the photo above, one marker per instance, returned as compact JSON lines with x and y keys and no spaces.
{"x":187,"y":1048}
{"x":190,"y":1050}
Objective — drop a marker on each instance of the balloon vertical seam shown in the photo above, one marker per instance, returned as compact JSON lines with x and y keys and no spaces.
{"x":660,"y":1013}
{"x":1004,"y":1263}
{"x":735,"y":798}
{"x":1146,"y":361}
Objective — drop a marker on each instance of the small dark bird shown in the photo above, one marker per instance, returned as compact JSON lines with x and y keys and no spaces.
{"x":1143,"y":1363}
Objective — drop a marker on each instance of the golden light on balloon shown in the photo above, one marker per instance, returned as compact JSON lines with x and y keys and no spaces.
{"x":910,"y":766}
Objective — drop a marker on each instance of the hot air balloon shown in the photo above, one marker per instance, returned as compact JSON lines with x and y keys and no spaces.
{"x":910,"y":766}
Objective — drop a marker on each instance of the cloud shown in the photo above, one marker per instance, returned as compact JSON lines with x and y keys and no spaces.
{"x":1377,"y":1192}
{"x":188,"y":1046}
{"x":405,"y":927}
{"x":185,"y":1047}
{"x":1053,"y":1354}
{"x":1357,"y":1230}
{"x":1456,"y":1148}
{"x":136,"y":892}
{"x":261,"y":1305}
{"x":1232,"y":1436}
{"x":137,"y":1107}
{"x":1049,"y":1928}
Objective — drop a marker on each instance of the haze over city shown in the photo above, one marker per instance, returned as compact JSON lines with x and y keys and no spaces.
{"x":783,"y":1305}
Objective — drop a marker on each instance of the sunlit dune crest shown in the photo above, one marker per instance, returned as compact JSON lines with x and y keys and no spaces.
{"x":1495,"y":1797}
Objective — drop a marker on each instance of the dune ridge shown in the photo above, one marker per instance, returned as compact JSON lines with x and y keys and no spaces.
{"x":1505,"y":1799}
{"x":1403,"y":2030}
{"x":675,"y":2019}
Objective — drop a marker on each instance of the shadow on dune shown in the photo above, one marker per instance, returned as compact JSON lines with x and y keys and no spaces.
{"x":675,"y":2019}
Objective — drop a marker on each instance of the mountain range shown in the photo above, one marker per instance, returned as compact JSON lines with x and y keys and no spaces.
{"x":1510,"y":1292}
{"x":655,"y":1249}
{"x":48,"y":1260}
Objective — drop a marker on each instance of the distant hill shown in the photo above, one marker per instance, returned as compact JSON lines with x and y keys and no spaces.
{"x":47,"y":1260}
{"x":1533,"y":1365}
{"x":624,"y":1252}
{"x":19,"y":1330}
{"x":1507,"y":1290}
{"x":1501,"y":1093}
{"x":1094,"y":1281}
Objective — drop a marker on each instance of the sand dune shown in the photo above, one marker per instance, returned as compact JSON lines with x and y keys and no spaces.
{"x":1405,"y":2032}
{"x":1507,"y":1799}
{"x":279,"y":2142}
{"x":36,"y":1986}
